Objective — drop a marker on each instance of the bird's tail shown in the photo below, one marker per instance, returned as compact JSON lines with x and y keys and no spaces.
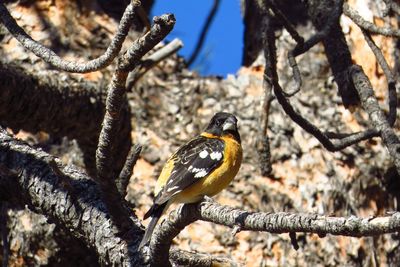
{"x":155,"y":212}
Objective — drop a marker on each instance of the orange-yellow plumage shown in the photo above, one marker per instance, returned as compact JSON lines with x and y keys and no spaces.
{"x":219,"y":178}
{"x":202,"y":167}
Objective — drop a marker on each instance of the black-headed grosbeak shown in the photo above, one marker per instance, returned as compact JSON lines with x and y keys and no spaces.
{"x":202,"y":167}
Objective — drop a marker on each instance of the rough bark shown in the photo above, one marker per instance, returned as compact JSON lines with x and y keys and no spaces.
{"x":61,"y":105}
{"x":68,"y":198}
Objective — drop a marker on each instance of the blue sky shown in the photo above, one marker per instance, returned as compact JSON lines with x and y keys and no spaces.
{"x":222,"y":50}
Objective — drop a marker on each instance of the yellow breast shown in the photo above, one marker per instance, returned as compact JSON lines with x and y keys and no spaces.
{"x":219,"y":178}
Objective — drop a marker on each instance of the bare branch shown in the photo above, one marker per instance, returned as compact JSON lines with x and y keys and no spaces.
{"x":52,"y":58}
{"x":376,"y":115}
{"x":366,"y":25}
{"x":286,"y":222}
{"x":392,"y":95}
{"x":281,"y":222}
{"x":271,"y":78}
{"x":69,"y":198}
{"x":152,"y":60}
{"x":59,"y":100}
{"x":161,"y":54}
{"x":345,"y":141}
{"x":127,"y":171}
{"x":115,"y":98}
{"x":336,"y":48}
{"x":161,"y":28}
{"x":203,"y":33}
{"x":303,"y":47}
{"x":262,"y":145}
{"x":186,"y":258}
{"x":285,"y":22}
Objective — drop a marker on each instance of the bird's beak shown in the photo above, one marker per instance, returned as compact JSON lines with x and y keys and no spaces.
{"x":230,"y":124}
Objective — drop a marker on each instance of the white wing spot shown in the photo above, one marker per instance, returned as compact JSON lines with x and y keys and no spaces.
{"x":190,"y":168}
{"x":194,"y":170}
{"x":216,"y":155}
{"x":203,"y":154}
{"x":201,"y":173}
{"x":172,"y":188}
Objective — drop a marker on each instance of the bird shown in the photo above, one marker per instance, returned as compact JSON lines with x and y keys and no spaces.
{"x":199,"y":169}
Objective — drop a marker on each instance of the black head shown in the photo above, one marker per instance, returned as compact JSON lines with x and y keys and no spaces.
{"x":223,"y":123}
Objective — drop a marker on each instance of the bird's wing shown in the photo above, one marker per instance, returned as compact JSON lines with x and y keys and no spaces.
{"x":193,"y":161}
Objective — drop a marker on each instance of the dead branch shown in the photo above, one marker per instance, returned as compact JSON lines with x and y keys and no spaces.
{"x":263,"y":145}
{"x":186,"y":258}
{"x":53,"y":102}
{"x":392,"y":95}
{"x":204,"y":31}
{"x":375,"y":113}
{"x":152,"y":60}
{"x":336,"y":48}
{"x":68,"y":197}
{"x":127,"y":171}
{"x":368,"y":26}
{"x":52,"y":58}
{"x":271,"y":78}
{"x":281,"y":222}
{"x":111,"y":122}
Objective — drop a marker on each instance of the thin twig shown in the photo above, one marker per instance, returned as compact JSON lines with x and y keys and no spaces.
{"x":293,"y":240}
{"x":272,"y":78}
{"x":392,"y":95}
{"x":366,"y":25}
{"x":317,"y":133}
{"x":302,"y":47}
{"x":127,"y":171}
{"x":162,"y":27}
{"x":53,"y":59}
{"x":263,"y":146}
{"x":364,"y":135}
{"x":152,"y":60}
{"x":285,"y":22}
{"x":204,"y":32}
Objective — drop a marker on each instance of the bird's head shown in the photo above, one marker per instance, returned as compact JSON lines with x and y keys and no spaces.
{"x":222,"y":124}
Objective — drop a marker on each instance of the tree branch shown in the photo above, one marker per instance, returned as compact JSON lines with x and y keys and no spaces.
{"x":67,"y":197}
{"x":111,"y":123}
{"x":204,"y":32}
{"x":281,"y":222}
{"x":336,"y":48}
{"x":52,"y":58}
{"x":271,"y":78}
{"x":186,"y":258}
{"x":263,"y":146}
{"x":392,"y":95}
{"x":375,"y":113}
{"x":127,"y":171}
{"x":152,"y":60}
{"x":61,"y":105}
{"x":368,"y":26}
